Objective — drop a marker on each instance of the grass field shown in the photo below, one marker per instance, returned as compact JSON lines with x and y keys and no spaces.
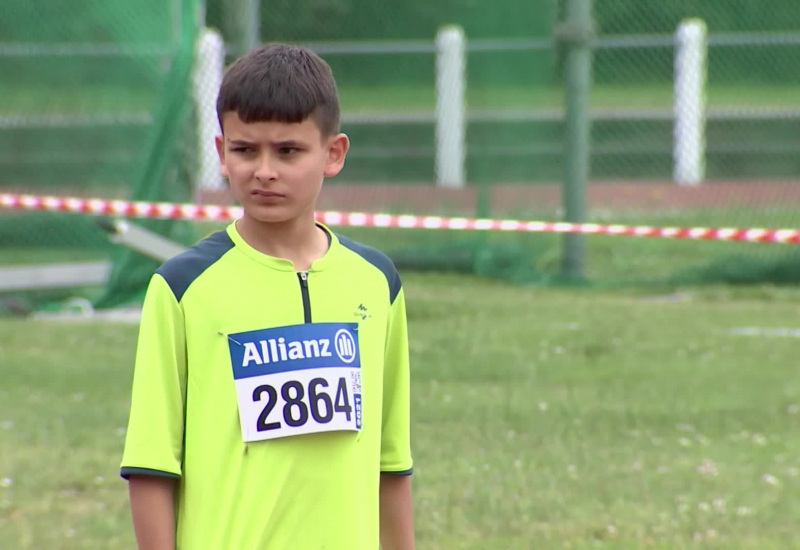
{"x":541,"y":419}
{"x":88,"y":151}
{"x":603,"y":96}
{"x":115,"y":99}
{"x":636,"y":145}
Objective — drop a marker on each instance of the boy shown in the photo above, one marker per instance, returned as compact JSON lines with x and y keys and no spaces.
{"x":270,"y":404}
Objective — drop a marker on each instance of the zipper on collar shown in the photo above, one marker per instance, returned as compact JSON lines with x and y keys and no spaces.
{"x":303,"y":276}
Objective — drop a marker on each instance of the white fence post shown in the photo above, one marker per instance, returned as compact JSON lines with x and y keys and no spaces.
{"x":450,"y":107}
{"x":690,"y":102}
{"x":208,"y":72}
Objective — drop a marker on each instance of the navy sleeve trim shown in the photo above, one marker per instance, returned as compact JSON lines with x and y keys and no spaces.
{"x":126,"y":473}
{"x":379,"y":260}
{"x":403,"y":473}
{"x":182,"y":270}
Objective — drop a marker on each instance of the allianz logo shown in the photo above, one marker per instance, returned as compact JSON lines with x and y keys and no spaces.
{"x":278,"y":350}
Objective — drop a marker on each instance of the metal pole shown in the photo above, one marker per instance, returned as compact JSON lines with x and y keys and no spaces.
{"x":577,"y":34}
{"x":242,"y":25}
{"x":177,"y":23}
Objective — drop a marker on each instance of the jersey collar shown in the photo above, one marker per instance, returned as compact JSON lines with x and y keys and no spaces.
{"x":334,"y":248}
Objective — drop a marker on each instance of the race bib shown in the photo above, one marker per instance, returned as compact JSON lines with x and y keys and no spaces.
{"x":296,"y":380}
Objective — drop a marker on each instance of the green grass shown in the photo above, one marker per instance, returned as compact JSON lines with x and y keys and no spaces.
{"x":110,"y":99}
{"x":16,"y":256}
{"x":541,"y":418}
{"x":634,"y":147}
{"x":603,"y":96}
{"x":609,"y":260}
{"x":97,"y":100}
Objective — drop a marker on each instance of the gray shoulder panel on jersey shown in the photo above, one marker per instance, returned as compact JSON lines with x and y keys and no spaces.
{"x":182,"y":270}
{"x":379,"y":260}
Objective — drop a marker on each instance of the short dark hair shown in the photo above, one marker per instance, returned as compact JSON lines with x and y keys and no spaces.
{"x":282,"y":83}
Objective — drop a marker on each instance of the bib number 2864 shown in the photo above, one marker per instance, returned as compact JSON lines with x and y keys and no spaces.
{"x":300,"y":402}
{"x":297,"y":403}
{"x":297,"y":380}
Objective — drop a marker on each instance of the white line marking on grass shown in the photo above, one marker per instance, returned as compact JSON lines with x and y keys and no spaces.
{"x":768,"y":332}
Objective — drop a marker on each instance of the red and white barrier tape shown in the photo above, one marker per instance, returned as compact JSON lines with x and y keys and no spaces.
{"x":129,"y":209}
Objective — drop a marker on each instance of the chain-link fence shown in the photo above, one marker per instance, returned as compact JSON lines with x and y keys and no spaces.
{"x":694,"y":112}
{"x":384,"y":60}
{"x":96,"y":103}
{"x":697,"y":119}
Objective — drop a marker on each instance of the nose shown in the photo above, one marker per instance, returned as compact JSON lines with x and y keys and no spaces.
{"x":266,"y":171}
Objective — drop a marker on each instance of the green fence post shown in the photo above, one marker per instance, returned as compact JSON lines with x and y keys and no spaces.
{"x":576,"y":34}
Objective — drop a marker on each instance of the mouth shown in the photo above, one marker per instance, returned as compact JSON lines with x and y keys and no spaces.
{"x":266,"y":194}
{"x":266,"y":198}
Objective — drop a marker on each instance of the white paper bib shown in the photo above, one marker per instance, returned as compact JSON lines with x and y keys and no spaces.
{"x":295,"y":380}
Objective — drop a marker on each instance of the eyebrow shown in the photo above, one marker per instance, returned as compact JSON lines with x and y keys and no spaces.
{"x":276,"y":144}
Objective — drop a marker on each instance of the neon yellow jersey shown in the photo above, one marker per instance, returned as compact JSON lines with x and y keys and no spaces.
{"x":276,"y":398}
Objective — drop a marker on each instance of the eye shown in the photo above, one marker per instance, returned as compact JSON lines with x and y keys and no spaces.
{"x":288,"y":151}
{"x":241,"y":150}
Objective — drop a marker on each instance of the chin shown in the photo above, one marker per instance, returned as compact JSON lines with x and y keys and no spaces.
{"x":270,"y":215}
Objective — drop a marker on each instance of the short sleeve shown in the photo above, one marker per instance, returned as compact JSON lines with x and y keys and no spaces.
{"x":396,"y":434}
{"x":154,"y":440}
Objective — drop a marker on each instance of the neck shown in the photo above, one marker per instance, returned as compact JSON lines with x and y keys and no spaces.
{"x":299,"y":240}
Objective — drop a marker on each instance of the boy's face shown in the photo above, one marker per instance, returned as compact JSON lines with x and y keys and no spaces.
{"x":275,"y":169}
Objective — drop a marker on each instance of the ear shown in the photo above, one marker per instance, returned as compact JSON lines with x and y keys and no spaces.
{"x":219,"y":141}
{"x":338,"y":146}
